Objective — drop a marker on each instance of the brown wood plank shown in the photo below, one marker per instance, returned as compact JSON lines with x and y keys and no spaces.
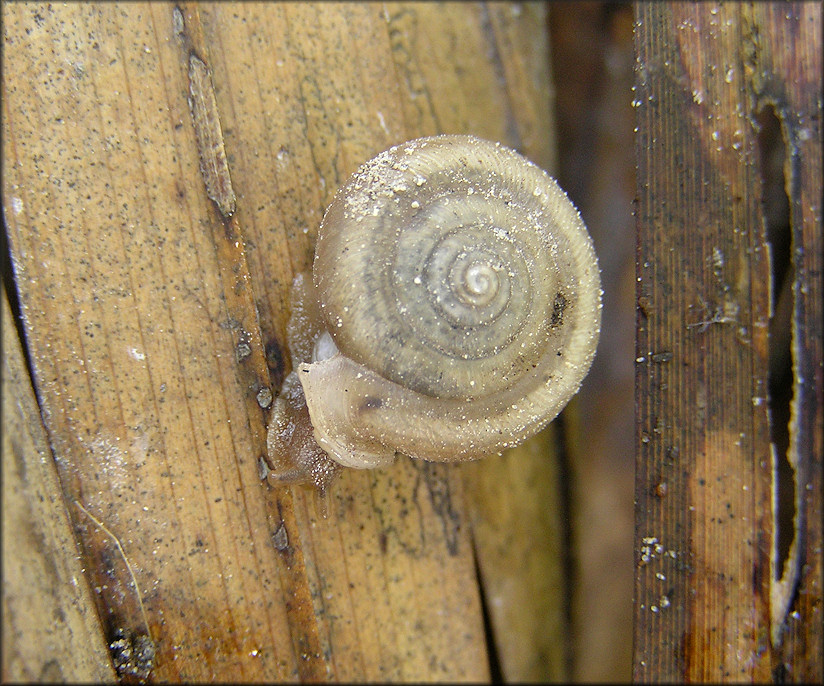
{"x":151,"y":310}
{"x":51,"y":629}
{"x":704,"y":478}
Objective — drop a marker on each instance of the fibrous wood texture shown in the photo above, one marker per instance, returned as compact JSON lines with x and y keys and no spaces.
{"x":43,"y":582}
{"x":718,"y":595}
{"x":165,"y":171}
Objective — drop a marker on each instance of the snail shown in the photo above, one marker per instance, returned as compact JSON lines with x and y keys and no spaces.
{"x":452,"y":312}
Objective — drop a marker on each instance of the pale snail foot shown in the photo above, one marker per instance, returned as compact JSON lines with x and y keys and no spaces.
{"x":453,"y":310}
{"x":293,"y":446}
{"x":297,"y":452}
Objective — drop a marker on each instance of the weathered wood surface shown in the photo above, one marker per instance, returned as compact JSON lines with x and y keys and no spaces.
{"x":155,"y":325}
{"x":43,"y":582}
{"x":709,"y":606}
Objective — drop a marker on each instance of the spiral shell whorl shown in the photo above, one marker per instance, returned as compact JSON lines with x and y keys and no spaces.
{"x":450,"y":270}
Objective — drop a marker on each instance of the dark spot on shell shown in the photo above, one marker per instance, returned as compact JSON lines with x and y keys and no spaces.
{"x":558,"y":307}
{"x":276,"y":362}
{"x":371,"y":403}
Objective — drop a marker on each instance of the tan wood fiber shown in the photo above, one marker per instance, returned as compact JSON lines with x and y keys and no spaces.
{"x":708,"y":594}
{"x":155,"y":321}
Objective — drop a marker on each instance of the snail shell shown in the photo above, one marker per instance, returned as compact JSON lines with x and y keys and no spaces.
{"x":454,"y":307}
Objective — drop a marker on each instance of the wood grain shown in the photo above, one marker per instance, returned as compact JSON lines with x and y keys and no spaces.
{"x":155,"y":321}
{"x":705,"y":472}
{"x":44,"y":589}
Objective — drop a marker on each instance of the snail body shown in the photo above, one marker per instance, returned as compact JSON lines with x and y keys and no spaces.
{"x":453,"y":309}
